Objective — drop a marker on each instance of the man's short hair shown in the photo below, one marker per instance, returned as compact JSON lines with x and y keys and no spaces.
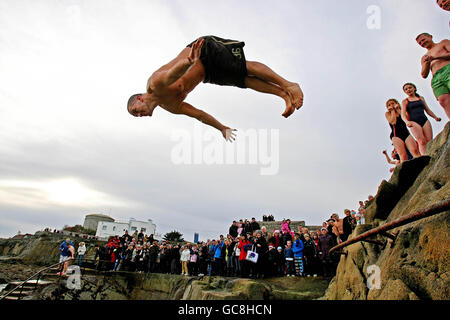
{"x":131,"y":100}
{"x":424,"y":34}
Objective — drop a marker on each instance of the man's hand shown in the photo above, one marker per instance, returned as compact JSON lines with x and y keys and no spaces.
{"x":427,"y":58}
{"x":196,"y":50}
{"x":229,"y":134}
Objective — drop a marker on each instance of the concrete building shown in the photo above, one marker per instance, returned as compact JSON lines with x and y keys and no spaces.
{"x":107,"y":229}
{"x":91,"y":220}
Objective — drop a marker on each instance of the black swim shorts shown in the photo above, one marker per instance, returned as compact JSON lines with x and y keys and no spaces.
{"x":224,"y":61}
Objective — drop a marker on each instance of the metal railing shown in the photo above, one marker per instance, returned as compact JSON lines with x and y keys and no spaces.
{"x":38,"y":275}
{"x":60,"y":267}
{"x":418,"y":215}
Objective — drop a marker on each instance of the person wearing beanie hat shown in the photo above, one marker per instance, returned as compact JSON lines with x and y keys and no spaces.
{"x":281,"y":262}
{"x":272,"y":261}
{"x":276,"y":240}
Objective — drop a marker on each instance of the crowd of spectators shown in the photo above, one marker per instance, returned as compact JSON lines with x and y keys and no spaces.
{"x":280,"y":252}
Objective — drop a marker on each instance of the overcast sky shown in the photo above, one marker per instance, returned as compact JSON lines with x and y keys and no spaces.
{"x":69,"y":148}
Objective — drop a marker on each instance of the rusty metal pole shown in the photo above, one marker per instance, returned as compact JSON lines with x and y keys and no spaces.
{"x":424,"y":213}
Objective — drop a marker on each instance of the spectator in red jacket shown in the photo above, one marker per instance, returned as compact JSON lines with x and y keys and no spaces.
{"x":244,"y":245}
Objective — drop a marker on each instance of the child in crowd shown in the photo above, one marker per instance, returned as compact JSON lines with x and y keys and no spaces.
{"x":289,"y":257}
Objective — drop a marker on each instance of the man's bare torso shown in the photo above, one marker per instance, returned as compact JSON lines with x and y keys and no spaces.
{"x":171,"y":97}
{"x":438,"y":50}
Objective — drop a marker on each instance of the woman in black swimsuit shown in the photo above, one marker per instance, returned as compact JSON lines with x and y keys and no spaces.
{"x":401,"y":139}
{"x":413,"y":113}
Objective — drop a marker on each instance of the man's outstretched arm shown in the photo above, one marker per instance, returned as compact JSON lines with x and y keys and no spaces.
{"x":202,"y":116}
{"x":166,"y":78}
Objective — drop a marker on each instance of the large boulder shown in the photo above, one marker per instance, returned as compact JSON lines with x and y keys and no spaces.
{"x":416,"y":266}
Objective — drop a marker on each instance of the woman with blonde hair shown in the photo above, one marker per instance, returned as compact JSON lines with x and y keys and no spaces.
{"x":413,"y":113}
{"x":185,"y":257}
{"x":401,"y":139}
{"x":81,"y":251}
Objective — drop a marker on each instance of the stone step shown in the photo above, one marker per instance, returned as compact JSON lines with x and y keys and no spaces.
{"x":17,"y":293}
{"x":13,"y":298}
{"x":30,"y":283}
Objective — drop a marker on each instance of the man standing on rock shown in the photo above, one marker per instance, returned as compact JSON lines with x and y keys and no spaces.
{"x":437,"y":60}
{"x":212,"y":60}
{"x":65,"y":254}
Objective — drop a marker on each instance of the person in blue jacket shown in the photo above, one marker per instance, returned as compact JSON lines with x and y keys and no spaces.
{"x":64,"y":251}
{"x":211,"y":253}
{"x":218,"y":258}
{"x":289,"y":256}
{"x":297,"y":247}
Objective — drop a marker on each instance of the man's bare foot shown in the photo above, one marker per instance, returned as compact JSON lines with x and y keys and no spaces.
{"x":296,"y":94}
{"x":289,"y":106}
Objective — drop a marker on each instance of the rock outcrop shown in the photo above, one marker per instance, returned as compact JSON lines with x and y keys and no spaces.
{"x":417,"y":265}
{"x":138,"y":286}
{"x":42,"y":250}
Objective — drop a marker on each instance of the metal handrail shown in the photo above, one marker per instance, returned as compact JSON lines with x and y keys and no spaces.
{"x":29,"y":278}
{"x":418,"y":215}
{"x":38,"y":274}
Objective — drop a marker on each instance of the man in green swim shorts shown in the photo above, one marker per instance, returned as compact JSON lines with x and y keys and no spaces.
{"x":437,"y":59}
